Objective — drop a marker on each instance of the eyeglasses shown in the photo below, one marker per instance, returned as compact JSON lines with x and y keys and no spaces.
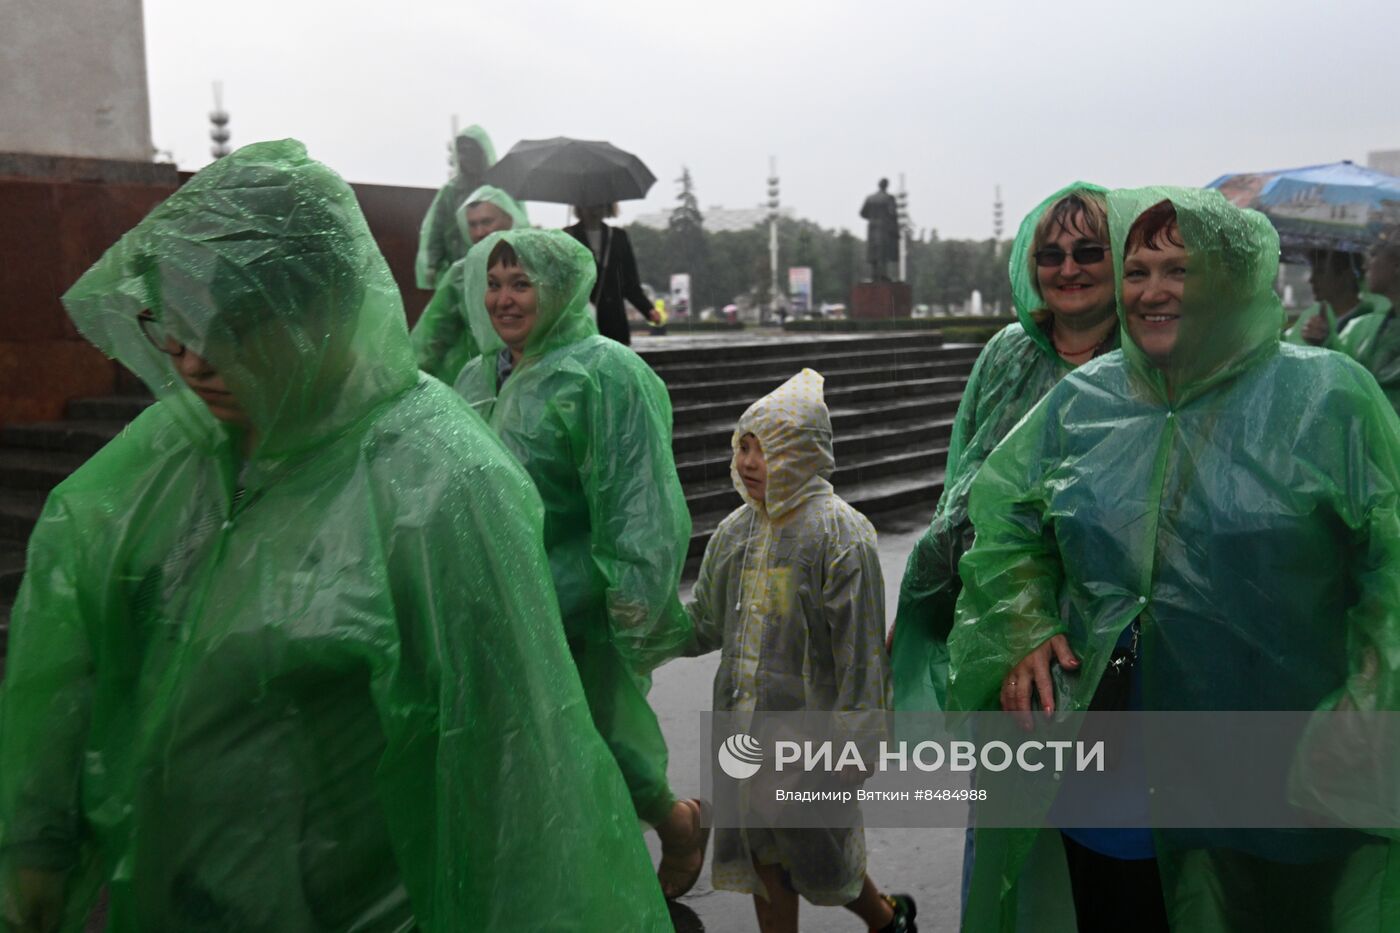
{"x":1084,"y":254}
{"x":155,"y":333}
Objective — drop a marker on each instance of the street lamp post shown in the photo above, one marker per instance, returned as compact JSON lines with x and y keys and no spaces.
{"x":218,"y":124}
{"x":773,"y":235}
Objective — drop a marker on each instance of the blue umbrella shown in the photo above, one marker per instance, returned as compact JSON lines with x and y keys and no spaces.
{"x":1339,"y":206}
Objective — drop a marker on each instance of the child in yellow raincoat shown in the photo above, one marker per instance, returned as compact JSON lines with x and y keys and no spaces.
{"x":791,"y":591}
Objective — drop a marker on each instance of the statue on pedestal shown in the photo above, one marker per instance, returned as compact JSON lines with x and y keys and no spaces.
{"x":881,"y":210}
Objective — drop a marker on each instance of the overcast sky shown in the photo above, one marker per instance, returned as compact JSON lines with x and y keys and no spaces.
{"x":960,"y":97}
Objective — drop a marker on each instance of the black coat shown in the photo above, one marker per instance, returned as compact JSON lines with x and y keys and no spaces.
{"x":617,"y":281}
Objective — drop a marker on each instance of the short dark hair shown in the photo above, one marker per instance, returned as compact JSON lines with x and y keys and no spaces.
{"x":1336,"y":261}
{"x":502,"y":254}
{"x":1155,"y":227}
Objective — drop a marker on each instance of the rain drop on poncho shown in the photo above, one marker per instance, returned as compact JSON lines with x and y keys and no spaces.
{"x":441,"y":240}
{"x":1016,"y":368}
{"x":790,"y":590}
{"x":442,"y":339}
{"x":591,"y":423}
{"x":1240,"y":503}
{"x":322,"y":686}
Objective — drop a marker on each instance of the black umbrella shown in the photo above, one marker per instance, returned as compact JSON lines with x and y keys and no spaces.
{"x":571,"y":171}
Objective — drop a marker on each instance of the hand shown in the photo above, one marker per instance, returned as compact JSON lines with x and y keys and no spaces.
{"x":1315,"y":331}
{"x":33,"y":901}
{"x":1034,"y":670}
{"x":654,"y":316}
{"x":889,"y":642}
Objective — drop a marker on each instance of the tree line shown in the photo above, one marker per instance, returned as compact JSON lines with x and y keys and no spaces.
{"x":728,"y":264}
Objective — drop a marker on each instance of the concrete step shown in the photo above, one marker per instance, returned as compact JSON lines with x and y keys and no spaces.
{"x":735,"y":349}
{"x":713,"y":463}
{"x":11,"y":569}
{"x":42,"y":470}
{"x":754,"y":388}
{"x":870,"y":498}
{"x":19,"y":512}
{"x":826,"y":362}
{"x":715,"y":434}
{"x":719,"y":495}
{"x":81,"y":436}
{"x":110,"y":408}
{"x":687,"y":415}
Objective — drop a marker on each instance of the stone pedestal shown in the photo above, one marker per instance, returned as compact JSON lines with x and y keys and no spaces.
{"x":882,"y":300}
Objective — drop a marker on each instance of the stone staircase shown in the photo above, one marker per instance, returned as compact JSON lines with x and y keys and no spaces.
{"x":892,"y":401}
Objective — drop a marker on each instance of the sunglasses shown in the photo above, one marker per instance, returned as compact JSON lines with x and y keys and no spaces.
{"x":1085,"y":254}
{"x":155,"y":332}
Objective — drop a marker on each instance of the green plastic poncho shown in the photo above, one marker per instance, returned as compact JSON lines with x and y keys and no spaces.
{"x":1367,"y":304}
{"x":591,"y":423}
{"x":320,"y":687}
{"x":1240,"y":503}
{"x":442,"y":341}
{"x":442,"y":241}
{"x":1374,"y":342}
{"x":1016,"y":368}
{"x":808,"y":634}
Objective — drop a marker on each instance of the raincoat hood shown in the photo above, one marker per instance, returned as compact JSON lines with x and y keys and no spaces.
{"x":1025,"y":292}
{"x":479,"y":136}
{"x":497,"y":196}
{"x":794,"y":428}
{"x":1230,"y":315}
{"x":263,"y":265}
{"x":563,"y":271}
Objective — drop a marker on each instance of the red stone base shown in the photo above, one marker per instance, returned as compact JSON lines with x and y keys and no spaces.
{"x":882,"y":300}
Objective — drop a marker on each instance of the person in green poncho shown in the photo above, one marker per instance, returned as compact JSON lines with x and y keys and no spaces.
{"x":1228,"y":543}
{"x":442,"y":340}
{"x":286,"y":656}
{"x":1374,"y":340}
{"x":1062,"y":284}
{"x":591,"y":423}
{"x":1341,"y":303}
{"x":442,"y":241}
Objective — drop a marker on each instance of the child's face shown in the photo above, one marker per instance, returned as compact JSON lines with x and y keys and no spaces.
{"x":753,"y":469}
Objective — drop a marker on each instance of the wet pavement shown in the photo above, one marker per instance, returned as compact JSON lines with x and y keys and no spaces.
{"x":924,"y":862}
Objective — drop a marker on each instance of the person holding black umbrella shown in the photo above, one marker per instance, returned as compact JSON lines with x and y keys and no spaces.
{"x":618,"y":278}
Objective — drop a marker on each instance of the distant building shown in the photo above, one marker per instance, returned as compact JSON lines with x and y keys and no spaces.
{"x":718,"y":219}
{"x":1384,"y":160}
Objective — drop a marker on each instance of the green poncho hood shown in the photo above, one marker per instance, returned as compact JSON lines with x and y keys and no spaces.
{"x":263,"y":265}
{"x":477,"y":135}
{"x":1230,"y":316}
{"x":794,"y":428}
{"x":490,"y":194}
{"x":1025,"y":291}
{"x":563,"y":271}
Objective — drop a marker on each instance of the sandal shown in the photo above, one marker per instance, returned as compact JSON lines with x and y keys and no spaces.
{"x":676,"y":881}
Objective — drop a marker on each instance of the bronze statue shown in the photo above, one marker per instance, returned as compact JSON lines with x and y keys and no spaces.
{"x":882,"y":234}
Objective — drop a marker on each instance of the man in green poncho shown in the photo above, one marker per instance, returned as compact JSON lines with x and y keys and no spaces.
{"x":441,"y":242}
{"x":1245,"y":531}
{"x":286,"y":656}
{"x":1341,"y":302}
{"x":1374,"y":340}
{"x":442,"y":340}
{"x":591,"y":423}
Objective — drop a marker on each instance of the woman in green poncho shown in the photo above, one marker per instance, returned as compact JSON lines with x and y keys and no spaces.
{"x":592,"y":424}
{"x":286,"y":656}
{"x":1062,"y":283}
{"x":442,"y":340}
{"x":1246,"y":532}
